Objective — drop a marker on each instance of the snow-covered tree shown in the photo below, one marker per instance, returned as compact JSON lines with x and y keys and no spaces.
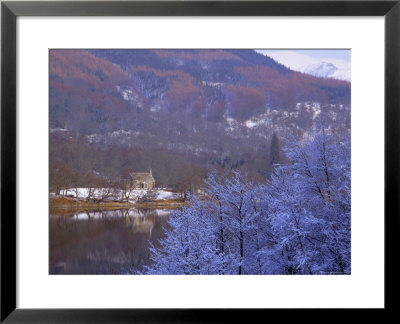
{"x":297,"y":223}
{"x":214,"y":234}
{"x":189,"y":246}
{"x":309,"y":209}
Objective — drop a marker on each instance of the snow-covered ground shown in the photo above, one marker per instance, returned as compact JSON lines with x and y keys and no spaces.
{"x":111,"y":194}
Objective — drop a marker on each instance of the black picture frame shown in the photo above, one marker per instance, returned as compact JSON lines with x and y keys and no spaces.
{"x":11,"y":10}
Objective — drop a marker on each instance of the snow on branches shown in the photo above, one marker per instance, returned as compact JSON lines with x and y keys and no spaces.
{"x":297,"y":223}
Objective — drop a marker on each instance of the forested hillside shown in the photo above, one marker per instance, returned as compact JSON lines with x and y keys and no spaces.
{"x":180,"y":112}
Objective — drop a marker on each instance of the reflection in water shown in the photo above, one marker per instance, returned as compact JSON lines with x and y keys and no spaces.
{"x":104,"y":241}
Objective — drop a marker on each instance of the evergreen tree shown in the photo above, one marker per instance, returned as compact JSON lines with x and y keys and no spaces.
{"x":275,"y":151}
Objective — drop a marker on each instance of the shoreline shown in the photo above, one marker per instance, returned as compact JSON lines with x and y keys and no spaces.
{"x":68,"y":203}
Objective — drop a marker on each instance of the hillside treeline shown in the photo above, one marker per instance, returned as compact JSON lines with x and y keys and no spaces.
{"x":76,"y":163}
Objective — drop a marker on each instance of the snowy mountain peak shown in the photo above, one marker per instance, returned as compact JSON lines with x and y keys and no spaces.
{"x":323,"y":69}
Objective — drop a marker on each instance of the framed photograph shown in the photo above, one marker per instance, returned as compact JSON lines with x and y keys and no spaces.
{"x":192,"y":160}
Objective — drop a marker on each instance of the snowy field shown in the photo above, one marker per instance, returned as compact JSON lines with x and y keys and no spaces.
{"x":111,"y":194}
